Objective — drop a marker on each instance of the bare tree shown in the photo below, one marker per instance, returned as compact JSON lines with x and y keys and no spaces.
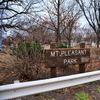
{"x":70,"y":22}
{"x":11,"y":11}
{"x":62,"y":18}
{"x":53,"y":8}
{"x":91,"y":11}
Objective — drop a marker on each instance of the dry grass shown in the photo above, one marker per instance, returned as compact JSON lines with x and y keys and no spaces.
{"x":7,"y":59}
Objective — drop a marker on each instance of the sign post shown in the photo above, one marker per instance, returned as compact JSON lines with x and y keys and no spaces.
{"x":53,"y":70}
{"x":82,"y":66}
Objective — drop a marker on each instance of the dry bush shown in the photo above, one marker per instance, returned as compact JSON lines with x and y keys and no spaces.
{"x":29,"y":56}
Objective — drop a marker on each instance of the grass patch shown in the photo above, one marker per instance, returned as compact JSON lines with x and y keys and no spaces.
{"x":82,"y":96}
{"x":98,"y":89}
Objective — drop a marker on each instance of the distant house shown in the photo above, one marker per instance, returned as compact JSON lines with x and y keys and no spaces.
{"x":11,"y":41}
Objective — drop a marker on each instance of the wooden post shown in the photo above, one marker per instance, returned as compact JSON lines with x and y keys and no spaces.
{"x":82,"y":66}
{"x":53,"y":72}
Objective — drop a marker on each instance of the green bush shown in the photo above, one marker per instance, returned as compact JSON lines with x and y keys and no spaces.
{"x":81,"y":96}
{"x":98,"y":89}
{"x":27,"y":49}
{"x":29,"y":56}
{"x":62,"y":45}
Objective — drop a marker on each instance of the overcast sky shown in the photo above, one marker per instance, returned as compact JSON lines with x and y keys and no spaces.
{"x":82,"y":21}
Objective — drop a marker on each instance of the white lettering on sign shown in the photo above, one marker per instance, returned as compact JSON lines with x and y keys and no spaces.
{"x":68,"y":53}
{"x":70,"y":61}
{"x":53,"y":54}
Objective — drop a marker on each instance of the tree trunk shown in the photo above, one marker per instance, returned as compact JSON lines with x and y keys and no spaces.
{"x":98,"y":42}
{"x":58,"y":38}
{"x":98,"y":37}
{"x":69,"y":42}
{"x":69,"y":37}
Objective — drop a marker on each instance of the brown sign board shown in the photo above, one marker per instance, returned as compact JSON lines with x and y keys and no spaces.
{"x":63,"y":57}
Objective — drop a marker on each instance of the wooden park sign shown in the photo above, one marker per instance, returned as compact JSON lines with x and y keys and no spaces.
{"x":64,"y":57}
{"x":61,"y":57}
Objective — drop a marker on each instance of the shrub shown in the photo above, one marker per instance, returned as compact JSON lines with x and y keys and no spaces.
{"x":29,"y":55}
{"x":62,"y":45}
{"x":26,"y":49}
{"x":98,"y":89}
{"x":81,"y":96}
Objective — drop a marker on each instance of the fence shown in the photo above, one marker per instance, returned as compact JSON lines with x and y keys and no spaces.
{"x":34,"y":87}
